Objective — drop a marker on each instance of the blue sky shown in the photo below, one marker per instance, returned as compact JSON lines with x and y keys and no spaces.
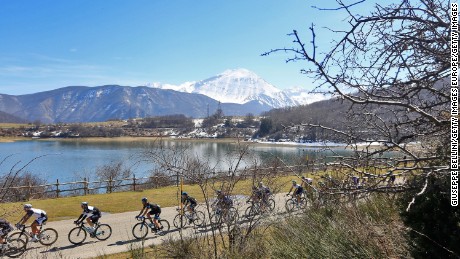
{"x":48,"y":44}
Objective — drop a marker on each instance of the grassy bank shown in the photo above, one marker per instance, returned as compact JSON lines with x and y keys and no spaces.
{"x":117,"y":202}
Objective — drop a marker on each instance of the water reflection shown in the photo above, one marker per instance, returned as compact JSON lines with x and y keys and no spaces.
{"x":67,"y":159}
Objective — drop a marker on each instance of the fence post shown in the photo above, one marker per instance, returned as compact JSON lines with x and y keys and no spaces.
{"x":57,"y":188}
{"x":29,"y":191}
{"x":109,"y":186}
{"x":85,"y":186}
{"x":134,"y":182}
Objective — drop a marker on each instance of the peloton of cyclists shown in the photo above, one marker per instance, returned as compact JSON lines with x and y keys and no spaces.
{"x":150,"y":209}
{"x":91,"y":214}
{"x":40,"y":218}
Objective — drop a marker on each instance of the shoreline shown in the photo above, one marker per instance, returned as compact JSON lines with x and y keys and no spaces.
{"x":217,"y":140}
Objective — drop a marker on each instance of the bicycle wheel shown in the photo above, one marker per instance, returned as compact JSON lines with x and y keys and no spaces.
{"x":303,"y":202}
{"x":77,"y":235}
{"x":48,"y":236}
{"x":140,"y":230}
{"x":164,"y":225}
{"x":290,"y":205}
{"x":199,"y":218}
{"x":16,"y":249}
{"x":20,"y":235}
{"x":103,"y":232}
{"x":179,"y":221}
{"x":216,"y":220}
{"x":250,"y":212}
{"x":232,"y":216}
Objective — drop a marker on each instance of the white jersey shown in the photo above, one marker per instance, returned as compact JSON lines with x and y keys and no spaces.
{"x":37,"y":213}
{"x":90,"y":211}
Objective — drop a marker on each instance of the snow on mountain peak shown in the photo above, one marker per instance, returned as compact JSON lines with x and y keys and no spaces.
{"x":239,"y":73}
{"x":241,"y":86}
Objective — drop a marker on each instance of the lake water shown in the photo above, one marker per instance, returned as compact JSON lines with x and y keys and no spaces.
{"x":65,"y":160}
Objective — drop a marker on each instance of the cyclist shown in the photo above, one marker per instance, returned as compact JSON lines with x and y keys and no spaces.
{"x":155,"y":210}
{"x":392,"y":179}
{"x":223,"y":202}
{"x":306,"y":181}
{"x":91,"y":214}
{"x":255,"y":195}
{"x":5,"y":228}
{"x":40,"y":218}
{"x":264,"y":192}
{"x":298,"y":189}
{"x":307,"y":184}
{"x":355,"y":180}
{"x":186,"y":199}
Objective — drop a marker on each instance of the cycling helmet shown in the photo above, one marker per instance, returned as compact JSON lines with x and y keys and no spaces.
{"x":303,"y":177}
{"x":261,"y":183}
{"x":184,"y":193}
{"x":84,"y":203}
{"x":144,"y":199}
{"x":27,"y":206}
{"x":218,"y":191}
{"x":294,"y":182}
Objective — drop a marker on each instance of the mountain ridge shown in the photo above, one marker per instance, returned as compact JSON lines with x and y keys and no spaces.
{"x":85,"y":104}
{"x":237,"y":91}
{"x":241,"y":86}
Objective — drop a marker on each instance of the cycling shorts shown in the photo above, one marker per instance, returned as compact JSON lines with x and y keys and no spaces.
{"x":95,"y":218}
{"x":41,"y":220}
{"x":298,"y":191}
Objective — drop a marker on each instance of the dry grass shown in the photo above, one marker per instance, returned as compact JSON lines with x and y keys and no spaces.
{"x":68,"y":207}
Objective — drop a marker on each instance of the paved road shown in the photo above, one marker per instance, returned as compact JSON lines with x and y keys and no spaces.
{"x":121,"y":240}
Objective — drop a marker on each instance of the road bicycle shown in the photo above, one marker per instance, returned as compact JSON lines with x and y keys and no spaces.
{"x":259,"y":207}
{"x":78,"y":234}
{"x":185,"y":217}
{"x":14,"y":248}
{"x":223,"y":215}
{"x":293,"y":203}
{"x":46,"y":237}
{"x":141,"y":229}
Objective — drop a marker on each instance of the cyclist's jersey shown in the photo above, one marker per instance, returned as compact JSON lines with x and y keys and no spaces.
{"x":297,"y":188}
{"x":37,"y":213}
{"x":5,"y":228}
{"x":155,"y":208}
{"x":224,"y":201}
{"x":264,"y":189}
{"x":355,"y":180}
{"x":308,"y":180}
{"x":188,"y":200}
{"x":90,"y":211}
{"x":4,"y":224}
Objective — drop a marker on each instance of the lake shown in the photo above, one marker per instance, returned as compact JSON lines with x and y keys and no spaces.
{"x":67,"y":159}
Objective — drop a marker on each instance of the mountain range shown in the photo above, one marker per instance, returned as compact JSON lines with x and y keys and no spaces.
{"x":237,"y":92}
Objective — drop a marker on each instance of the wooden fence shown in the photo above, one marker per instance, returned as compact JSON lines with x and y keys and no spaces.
{"x":85,"y":187}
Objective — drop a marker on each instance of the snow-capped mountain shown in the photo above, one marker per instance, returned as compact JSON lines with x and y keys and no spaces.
{"x":235,"y":86}
{"x":302,"y":96}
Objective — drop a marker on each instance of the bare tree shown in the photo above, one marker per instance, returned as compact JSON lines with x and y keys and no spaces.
{"x":391,"y":67}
